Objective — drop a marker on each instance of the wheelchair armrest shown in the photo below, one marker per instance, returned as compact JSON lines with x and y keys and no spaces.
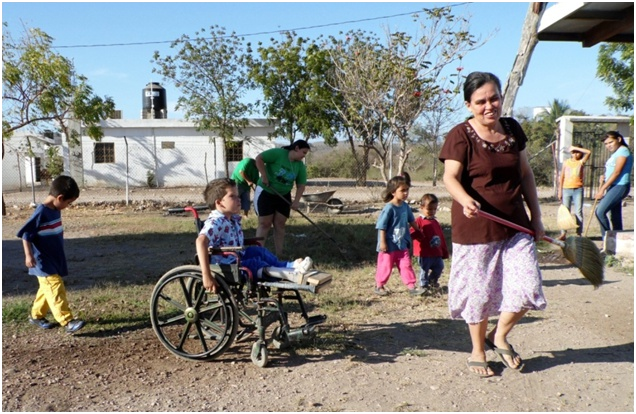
{"x":222,"y":250}
{"x":226,"y":252}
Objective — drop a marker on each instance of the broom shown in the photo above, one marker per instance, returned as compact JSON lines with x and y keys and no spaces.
{"x":565,"y":221}
{"x":579,"y":251}
{"x":589,"y":221}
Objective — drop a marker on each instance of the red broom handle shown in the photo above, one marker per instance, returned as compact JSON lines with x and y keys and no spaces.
{"x":515,"y":226}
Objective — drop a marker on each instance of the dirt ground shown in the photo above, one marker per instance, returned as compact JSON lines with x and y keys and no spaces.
{"x":579,"y":356}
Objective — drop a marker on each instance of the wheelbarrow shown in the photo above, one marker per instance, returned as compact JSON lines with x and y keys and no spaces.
{"x":312,"y":201}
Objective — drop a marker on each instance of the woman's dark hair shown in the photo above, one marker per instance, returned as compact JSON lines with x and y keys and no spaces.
{"x":616,"y":135}
{"x":392,"y":186}
{"x":301,"y":144}
{"x":476,"y":80}
{"x":216,"y":190}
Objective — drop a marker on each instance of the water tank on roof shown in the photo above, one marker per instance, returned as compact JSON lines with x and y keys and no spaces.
{"x":155,"y":104}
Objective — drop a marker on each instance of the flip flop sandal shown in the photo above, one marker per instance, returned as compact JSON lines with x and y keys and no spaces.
{"x":512,"y":354}
{"x":470,"y":364}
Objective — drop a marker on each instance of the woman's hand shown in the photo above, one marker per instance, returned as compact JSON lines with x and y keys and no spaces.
{"x":539,"y":230}
{"x":295,"y":205}
{"x":471,"y":208}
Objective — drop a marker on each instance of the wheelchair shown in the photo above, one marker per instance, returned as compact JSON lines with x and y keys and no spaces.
{"x":197,"y":325}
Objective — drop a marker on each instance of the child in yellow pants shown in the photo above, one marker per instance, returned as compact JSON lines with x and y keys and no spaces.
{"x":43,"y":241}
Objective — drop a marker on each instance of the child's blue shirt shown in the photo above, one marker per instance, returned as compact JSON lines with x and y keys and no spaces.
{"x":395,"y":221}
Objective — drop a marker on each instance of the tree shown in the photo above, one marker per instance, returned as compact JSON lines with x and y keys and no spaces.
{"x":291,"y":74}
{"x":212,"y":76}
{"x":40,"y":90}
{"x":386,"y":87}
{"x":435,"y":122}
{"x":542,"y":134}
{"x":615,"y":66}
{"x":555,"y":110}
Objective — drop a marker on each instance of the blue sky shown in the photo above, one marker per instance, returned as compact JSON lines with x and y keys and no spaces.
{"x":558,"y":70}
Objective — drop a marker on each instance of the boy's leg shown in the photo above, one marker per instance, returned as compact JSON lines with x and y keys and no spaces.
{"x":437,"y":267}
{"x":263,"y":255}
{"x":55,"y":293}
{"x":425,"y":265}
{"x":420,"y":261}
{"x":40,"y":306}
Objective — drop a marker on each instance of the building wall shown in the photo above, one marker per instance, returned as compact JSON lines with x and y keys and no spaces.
{"x":173,"y":152}
{"x":18,"y":168}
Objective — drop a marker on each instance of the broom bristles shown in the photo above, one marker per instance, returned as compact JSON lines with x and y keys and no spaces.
{"x":583,"y":253}
{"x":565,"y":221}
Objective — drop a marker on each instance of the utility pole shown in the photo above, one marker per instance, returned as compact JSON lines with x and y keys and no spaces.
{"x":528,"y":42}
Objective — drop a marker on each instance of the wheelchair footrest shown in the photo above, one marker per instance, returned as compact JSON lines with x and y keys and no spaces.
{"x":289,"y":286}
{"x":312,"y":281}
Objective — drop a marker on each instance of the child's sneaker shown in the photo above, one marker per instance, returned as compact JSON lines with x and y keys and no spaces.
{"x":42,"y":323}
{"x":381,"y":291}
{"x":74,"y":326}
{"x":417,"y":291}
{"x":304,"y":266}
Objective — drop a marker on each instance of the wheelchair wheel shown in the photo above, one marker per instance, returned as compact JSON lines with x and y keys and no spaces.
{"x":260,"y":354}
{"x":280,"y":340}
{"x":189,"y":322}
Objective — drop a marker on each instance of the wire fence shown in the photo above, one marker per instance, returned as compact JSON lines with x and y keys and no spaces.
{"x":168,"y":167}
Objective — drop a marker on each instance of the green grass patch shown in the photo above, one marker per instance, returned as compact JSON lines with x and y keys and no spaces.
{"x":15,"y":310}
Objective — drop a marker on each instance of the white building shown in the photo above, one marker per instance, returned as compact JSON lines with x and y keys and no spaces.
{"x":135,"y":153}
{"x":165,"y":152}
{"x":25,"y":156}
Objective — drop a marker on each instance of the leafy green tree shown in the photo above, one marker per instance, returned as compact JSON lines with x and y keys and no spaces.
{"x":615,"y":66}
{"x":40,"y":90}
{"x":292,"y":76}
{"x":211,"y":74}
{"x":542,"y":133}
{"x":555,"y":110}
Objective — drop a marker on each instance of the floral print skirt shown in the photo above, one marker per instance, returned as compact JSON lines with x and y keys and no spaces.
{"x":487,"y":279}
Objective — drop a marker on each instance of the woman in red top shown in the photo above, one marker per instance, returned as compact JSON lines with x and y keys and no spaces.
{"x":494,"y":269}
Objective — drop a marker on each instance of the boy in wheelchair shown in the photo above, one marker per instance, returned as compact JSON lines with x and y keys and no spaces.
{"x":222,"y":229}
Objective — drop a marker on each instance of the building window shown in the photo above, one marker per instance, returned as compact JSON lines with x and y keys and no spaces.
{"x":38,"y":169}
{"x":104,"y":152}
{"x":234,"y":151}
{"x":167,"y":144}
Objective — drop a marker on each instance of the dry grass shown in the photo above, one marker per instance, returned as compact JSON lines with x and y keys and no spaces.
{"x":130,"y":249}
